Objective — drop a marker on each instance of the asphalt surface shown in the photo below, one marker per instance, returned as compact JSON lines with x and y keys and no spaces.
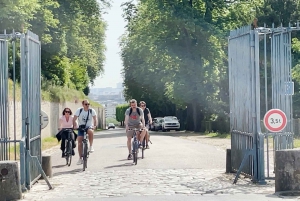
{"x":173,"y":169}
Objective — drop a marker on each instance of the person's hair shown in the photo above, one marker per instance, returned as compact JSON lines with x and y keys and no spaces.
{"x":143,"y":102}
{"x":64,"y":111}
{"x":85,"y":100}
{"x":133,"y":101}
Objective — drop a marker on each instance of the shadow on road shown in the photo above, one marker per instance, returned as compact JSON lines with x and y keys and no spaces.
{"x":58,"y":166}
{"x":67,"y":172}
{"x":122,"y":165}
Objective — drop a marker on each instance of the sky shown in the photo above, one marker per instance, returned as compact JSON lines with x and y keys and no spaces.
{"x":113,"y":63}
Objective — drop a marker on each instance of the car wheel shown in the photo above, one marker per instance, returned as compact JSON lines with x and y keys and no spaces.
{"x":177,"y":129}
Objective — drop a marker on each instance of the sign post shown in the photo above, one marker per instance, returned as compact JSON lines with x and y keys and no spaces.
{"x":275,"y":120}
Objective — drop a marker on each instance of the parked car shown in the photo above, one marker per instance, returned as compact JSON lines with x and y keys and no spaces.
{"x":170,"y":123}
{"x":111,"y":125}
{"x":156,"y":123}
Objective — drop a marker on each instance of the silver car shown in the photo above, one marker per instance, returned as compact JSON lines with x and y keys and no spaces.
{"x":170,"y":123}
{"x":156,"y":123}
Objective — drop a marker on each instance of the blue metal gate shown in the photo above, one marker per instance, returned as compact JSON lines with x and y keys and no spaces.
{"x":30,"y":142}
{"x":31,"y":104}
{"x":248,"y":66}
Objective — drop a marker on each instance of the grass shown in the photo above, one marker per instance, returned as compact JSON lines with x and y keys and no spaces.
{"x":53,"y":93}
{"x":218,"y":135}
{"x":47,"y":143}
{"x":296,"y":143}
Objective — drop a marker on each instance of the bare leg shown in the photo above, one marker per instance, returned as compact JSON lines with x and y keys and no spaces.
{"x":91,"y":136}
{"x":129,"y":144}
{"x":80,"y":146}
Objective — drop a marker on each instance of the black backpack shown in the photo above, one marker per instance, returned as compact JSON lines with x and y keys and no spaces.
{"x":137,"y":109}
{"x":90,"y":111}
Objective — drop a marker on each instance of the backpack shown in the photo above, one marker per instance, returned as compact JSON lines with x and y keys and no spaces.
{"x":137,"y":109}
{"x":89,"y":111}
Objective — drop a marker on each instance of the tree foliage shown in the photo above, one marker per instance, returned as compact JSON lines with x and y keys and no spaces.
{"x":174,"y":53}
{"x":72,"y":33}
{"x":120,"y":113}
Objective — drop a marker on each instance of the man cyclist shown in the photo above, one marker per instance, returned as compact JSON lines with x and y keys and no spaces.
{"x":148,"y":120}
{"x":87,"y":118}
{"x":134,"y":118}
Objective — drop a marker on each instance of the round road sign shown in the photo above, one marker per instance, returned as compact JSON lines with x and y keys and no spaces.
{"x":275,"y":120}
{"x":44,"y":119}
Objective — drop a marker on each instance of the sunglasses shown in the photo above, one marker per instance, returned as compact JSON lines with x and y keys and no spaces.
{"x":87,"y":104}
{"x":67,"y":111}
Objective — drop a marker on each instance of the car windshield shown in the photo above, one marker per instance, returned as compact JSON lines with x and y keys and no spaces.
{"x":110,"y":124}
{"x":170,"y":118}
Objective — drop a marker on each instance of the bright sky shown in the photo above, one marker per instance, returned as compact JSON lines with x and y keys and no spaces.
{"x":113,"y":63}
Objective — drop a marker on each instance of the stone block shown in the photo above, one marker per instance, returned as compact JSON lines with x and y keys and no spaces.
{"x":287,"y":170}
{"x":228,"y":161}
{"x":10,"y":187}
{"x":47,"y":165}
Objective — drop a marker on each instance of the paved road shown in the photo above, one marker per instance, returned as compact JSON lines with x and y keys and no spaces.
{"x":173,"y":169}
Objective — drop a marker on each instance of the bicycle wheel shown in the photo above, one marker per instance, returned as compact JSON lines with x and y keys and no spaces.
{"x":70,"y":148}
{"x":144,"y":147}
{"x":84,"y":156}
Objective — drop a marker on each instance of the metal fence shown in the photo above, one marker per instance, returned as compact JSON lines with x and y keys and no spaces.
{"x":30,"y":71}
{"x":255,"y":56}
{"x":243,"y":82}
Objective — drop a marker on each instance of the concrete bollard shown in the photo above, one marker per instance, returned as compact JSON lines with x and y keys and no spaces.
{"x":228,"y":161}
{"x":287,"y":170}
{"x":47,"y":165}
{"x":10,"y":187}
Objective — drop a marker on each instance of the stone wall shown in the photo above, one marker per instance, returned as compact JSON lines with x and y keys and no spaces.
{"x":54,"y":111}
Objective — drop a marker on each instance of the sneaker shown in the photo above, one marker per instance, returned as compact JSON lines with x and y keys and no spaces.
{"x":79,"y":162}
{"x":147,"y":147}
{"x":91,"y":149}
{"x":129,"y":157}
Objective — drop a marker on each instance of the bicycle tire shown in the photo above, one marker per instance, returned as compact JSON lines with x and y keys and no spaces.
{"x":70,"y":148}
{"x":84,"y":156}
{"x":66,"y":153}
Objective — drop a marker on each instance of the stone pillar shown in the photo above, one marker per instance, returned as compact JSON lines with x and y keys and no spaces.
{"x":47,"y":165}
{"x":287,"y":170}
{"x":10,"y":187}
{"x":228,"y":161}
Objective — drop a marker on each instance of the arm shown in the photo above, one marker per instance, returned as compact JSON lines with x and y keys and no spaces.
{"x":150,"y":118}
{"x":126,"y":121}
{"x":60,"y":124}
{"x":142,"y":118}
{"x":95,"y":121}
{"x":74,"y":121}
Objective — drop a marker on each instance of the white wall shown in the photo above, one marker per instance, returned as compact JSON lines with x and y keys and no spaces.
{"x":54,"y":111}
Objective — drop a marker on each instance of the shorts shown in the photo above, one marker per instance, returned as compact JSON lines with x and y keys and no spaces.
{"x":130,"y":133}
{"x":81,"y":132}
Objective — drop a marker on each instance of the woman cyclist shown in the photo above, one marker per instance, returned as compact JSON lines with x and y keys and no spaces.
{"x":66,"y":121}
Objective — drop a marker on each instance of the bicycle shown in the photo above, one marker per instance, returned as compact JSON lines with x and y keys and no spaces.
{"x":85,"y":152}
{"x":135,"y":145}
{"x":68,"y":146}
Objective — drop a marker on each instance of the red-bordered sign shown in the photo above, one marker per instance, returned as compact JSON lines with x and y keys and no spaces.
{"x":275,"y":120}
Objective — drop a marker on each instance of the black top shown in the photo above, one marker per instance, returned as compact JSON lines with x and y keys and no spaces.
{"x":146,"y":112}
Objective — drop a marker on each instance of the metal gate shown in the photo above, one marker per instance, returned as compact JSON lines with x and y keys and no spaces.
{"x":30,"y":73}
{"x":253,"y":55}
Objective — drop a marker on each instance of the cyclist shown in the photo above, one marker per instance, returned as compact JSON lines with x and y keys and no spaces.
{"x":148,"y":120}
{"x":87,"y":118}
{"x":66,"y":121}
{"x":134,"y":118}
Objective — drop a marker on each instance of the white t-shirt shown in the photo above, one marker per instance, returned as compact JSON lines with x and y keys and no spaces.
{"x":83,"y":115}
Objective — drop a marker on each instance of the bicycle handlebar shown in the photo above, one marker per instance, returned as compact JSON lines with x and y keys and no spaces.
{"x":135,"y":129}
